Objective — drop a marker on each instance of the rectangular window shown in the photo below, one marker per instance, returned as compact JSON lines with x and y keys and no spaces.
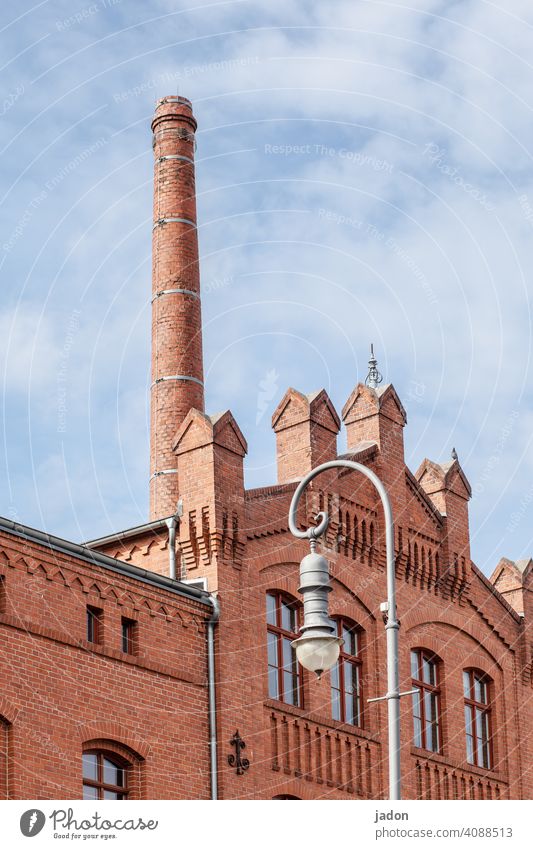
{"x":345,"y":676}
{"x":426,"y":701}
{"x":94,"y":624}
{"x":129,"y":629}
{"x":477,"y":719}
{"x":284,"y":681}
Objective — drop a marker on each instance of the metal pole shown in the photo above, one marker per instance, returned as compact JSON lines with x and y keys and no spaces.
{"x":392,"y":625}
{"x":211,"y":684}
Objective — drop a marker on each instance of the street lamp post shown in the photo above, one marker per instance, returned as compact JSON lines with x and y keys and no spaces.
{"x":318,"y":647}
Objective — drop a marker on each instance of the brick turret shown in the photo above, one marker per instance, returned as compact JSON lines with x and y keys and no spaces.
{"x":376,"y":415}
{"x":177,"y":369}
{"x":514,"y":580}
{"x":449,"y":490}
{"x":306,"y":428}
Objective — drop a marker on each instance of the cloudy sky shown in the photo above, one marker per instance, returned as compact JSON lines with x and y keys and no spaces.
{"x":363,"y":176}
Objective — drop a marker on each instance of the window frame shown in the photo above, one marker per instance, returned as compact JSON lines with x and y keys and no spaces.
{"x":94,"y":625}
{"x":356,"y":660}
{"x":281,"y":634}
{"x":128,"y":635}
{"x":474,"y":706}
{"x":99,"y":784}
{"x":434,"y":690}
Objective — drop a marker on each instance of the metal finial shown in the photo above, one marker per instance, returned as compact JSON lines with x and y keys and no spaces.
{"x":455,"y":456}
{"x":374,"y":377}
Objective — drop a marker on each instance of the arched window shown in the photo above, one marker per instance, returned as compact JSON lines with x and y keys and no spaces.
{"x":105,"y":775}
{"x":426,"y":701}
{"x":284,"y":674}
{"x":346,"y":676}
{"x":477,"y":688}
{"x":286,"y":796}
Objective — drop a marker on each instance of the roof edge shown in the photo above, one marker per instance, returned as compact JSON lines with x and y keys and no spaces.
{"x":86,"y":554}
{"x":127,"y":532}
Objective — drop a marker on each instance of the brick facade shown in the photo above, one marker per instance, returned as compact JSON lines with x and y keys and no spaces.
{"x":62,"y":693}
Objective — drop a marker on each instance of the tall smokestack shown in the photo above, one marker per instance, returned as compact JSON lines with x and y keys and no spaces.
{"x":177,"y":367}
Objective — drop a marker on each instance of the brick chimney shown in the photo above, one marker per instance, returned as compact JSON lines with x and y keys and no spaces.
{"x":177,"y":367}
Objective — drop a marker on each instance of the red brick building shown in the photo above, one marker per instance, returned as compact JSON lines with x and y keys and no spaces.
{"x":109,"y":686}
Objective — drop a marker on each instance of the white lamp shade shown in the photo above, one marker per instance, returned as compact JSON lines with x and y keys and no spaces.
{"x":318,"y":653}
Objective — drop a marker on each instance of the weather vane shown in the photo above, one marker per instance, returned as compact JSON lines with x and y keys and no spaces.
{"x":374,"y":377}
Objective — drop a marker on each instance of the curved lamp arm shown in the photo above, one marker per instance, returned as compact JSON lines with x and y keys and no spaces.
{"x":392,"y":625}
{"x":322,"y":526}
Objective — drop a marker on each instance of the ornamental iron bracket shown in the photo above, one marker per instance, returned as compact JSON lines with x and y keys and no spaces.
{"x":240,"y":764}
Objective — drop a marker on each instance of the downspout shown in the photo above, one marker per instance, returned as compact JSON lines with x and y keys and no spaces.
{"x":211,"y":624}
{"x":172,"y":523}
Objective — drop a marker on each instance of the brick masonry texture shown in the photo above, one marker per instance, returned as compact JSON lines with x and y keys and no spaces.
{"x":60,"y":695}
{"x":176,"y":315}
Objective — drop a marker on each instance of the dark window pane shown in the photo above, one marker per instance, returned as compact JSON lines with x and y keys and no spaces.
{"x":287,"y":618}
{"x":349,"y":708}
{"x":289,"y":689}
{"x":469,"y":749}
{"x":109,"y":794}
{"x":468,"y":720}
{"x":486,"y":746}
{"x":273,"y":687}
{"x":479,"y":736}
{"x":417,"y":707}
{"x":349,"y":673}
{"x":358,"y":716}
{"x":429,"y":706}
{"x":127,"y":635}
{"x":349,"y":642}
{"x":90,"y":792}
{"x":414,"y":665}
{"x":113,"y":774}
{"x":90,"y":766}
{"x":271,"y":609}
{"x":417,"y":732}
{"x":272,"y":649}
{"x":336,"y":704}
{"x":466,"y":684}
{"x":356,"y":682}
{"x":289,"y":655}
{"x":428,"y":671}
{"x":93,"y":623}
{"x":335,"y":676}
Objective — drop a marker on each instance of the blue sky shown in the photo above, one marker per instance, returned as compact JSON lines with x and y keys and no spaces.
{"x":362,"y":176}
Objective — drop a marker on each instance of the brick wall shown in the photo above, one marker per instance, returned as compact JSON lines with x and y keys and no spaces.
{"x":61,"y":693}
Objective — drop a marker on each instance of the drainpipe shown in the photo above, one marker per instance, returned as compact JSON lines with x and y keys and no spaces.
{"x":211,"y":624}
{"x":172,"y":523}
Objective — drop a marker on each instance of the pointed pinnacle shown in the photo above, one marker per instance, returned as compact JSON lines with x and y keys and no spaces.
{"x":374,"y":377}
